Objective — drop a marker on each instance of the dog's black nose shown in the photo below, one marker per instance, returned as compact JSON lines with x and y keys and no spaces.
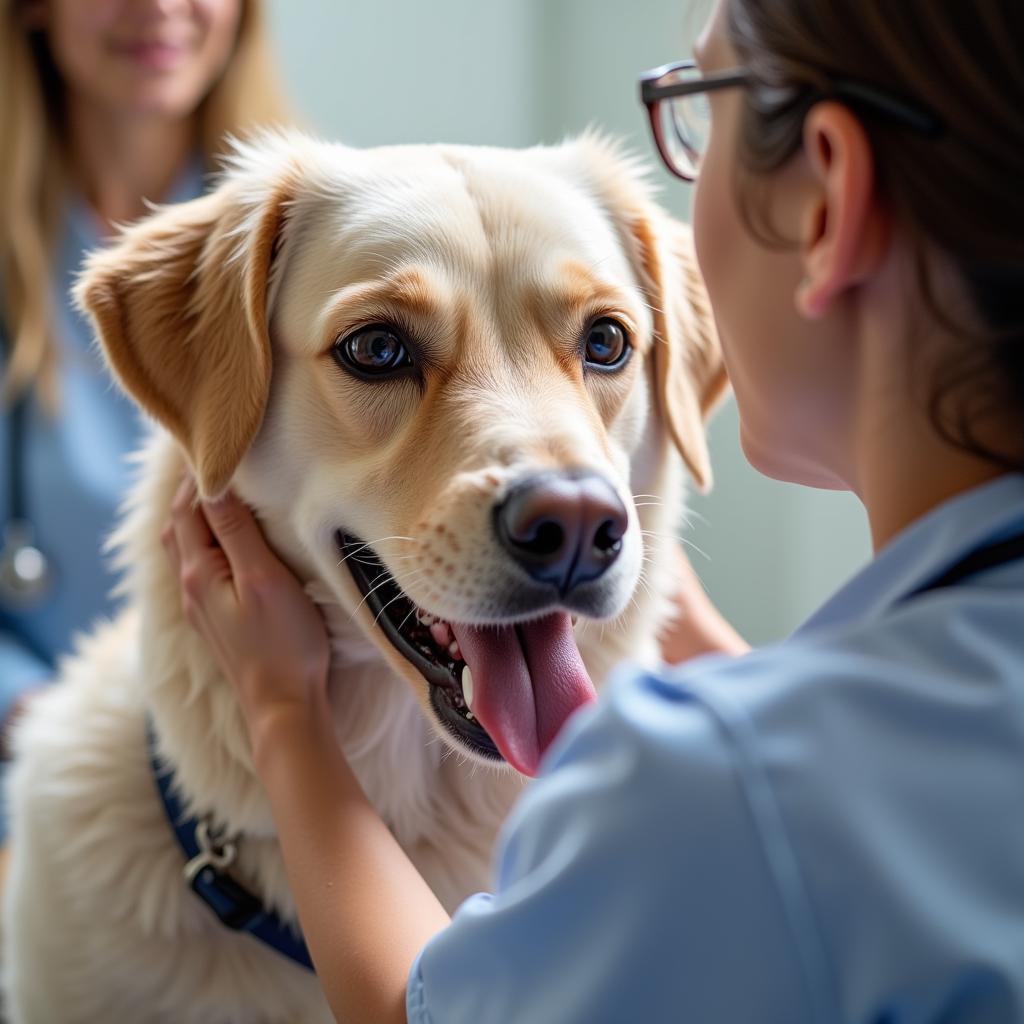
{"x":563,"y":528}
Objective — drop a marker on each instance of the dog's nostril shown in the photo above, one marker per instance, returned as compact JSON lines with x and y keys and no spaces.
{"x":609,"y":536}
{"x":548,"y":538}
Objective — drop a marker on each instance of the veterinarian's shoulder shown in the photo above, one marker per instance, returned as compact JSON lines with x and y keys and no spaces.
{"x":635,"y":865}
{"x":843,"y":791}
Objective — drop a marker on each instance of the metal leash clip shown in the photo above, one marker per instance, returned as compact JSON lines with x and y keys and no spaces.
{"x":235,"y":906}
{"x":214,"y":852}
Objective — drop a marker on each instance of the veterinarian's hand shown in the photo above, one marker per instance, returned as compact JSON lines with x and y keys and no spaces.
{"x":267,"y":635}
{"x":697,"y":627}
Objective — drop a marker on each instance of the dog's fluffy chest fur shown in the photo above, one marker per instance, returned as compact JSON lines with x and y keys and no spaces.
{"x":107,"y":865}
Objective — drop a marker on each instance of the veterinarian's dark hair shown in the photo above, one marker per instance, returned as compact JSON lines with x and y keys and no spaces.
{"x":960,"y":194}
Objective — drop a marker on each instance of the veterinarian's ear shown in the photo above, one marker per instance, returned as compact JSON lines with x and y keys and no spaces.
{"x":688,"y":367}
{"x":179,"y":305}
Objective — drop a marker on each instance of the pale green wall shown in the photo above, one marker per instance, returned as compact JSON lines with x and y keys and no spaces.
{"x":383,"y":71}
{"x":514,"y":72}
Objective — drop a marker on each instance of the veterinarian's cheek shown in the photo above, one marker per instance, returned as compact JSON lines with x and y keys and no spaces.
{"x":716,"y":246}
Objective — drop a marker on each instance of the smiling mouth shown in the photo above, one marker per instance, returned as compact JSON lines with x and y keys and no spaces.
{"x":423,"y":640}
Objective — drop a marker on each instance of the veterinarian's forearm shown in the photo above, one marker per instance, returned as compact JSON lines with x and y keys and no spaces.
{"x":690,"y":633}
{"x":365,"y":910}
{"x":696,"y":625}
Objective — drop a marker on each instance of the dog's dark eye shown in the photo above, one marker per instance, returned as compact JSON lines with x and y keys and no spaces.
{"x":373,"y":351}
{"x":607,"y":345}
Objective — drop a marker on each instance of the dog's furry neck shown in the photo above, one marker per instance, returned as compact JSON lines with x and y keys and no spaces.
{"x":425,"y":794}
{"x":422,"y":791}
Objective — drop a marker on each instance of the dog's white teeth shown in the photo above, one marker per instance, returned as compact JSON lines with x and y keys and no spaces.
{"x":442,"y":634}
{"x":467,"y":686}
{"x":455,"y":651}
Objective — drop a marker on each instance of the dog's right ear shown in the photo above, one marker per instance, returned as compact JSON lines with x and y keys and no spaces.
{"x":179,"y":306}
{"x":689,"y":368}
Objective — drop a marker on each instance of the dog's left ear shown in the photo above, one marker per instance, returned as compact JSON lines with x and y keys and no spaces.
{"x":179,"y":307}
{"x":688,"y":367}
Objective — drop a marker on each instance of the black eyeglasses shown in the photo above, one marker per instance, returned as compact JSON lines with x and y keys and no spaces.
{"x":676,"y":99}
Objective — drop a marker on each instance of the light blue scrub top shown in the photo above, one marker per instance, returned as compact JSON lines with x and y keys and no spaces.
{"x":75,"y":474}
{"x":830,"y":829}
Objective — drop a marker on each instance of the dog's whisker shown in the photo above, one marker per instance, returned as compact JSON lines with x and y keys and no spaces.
{"x":369,"y":592}
{"x":374,"y":544}
{"x":412,"y":612}
{"x":691,"y":513}
{"x":384,"y":576}
{"x":384,"y":608}
{"x":618,"y":624}
{"x":409,"y":578}
{"x":363,"y":561}
{"x":351,"y":554}
{"x":679,"y":540}
{"x":692,"y":546}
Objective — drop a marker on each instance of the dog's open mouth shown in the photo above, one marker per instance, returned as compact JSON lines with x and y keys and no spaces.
{"x":503,"y":691}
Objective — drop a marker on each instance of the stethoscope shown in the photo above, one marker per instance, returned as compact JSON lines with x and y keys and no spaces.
{"x":26,"y":574}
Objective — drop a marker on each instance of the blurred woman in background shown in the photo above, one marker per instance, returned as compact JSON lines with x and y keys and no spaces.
{"x":105,"y":106}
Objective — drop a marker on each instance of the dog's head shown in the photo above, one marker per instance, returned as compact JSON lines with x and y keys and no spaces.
{"x":442,"y":368}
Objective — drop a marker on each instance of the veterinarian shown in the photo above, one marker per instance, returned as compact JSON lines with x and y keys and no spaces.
{"x":829,"y":829}
{"x":103,"y":106}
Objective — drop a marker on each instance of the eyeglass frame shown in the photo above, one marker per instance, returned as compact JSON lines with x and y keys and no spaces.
{"x":910,"y":115}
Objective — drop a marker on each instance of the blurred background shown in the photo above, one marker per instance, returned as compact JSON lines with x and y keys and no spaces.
{"x":520,"y":72}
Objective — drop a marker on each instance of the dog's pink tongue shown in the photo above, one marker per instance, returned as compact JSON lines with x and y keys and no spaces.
{"x":527,"y":680}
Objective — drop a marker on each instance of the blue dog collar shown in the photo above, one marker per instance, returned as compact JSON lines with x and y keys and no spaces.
{"x":208,"y":855}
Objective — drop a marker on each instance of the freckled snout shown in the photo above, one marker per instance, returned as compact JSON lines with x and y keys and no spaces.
{"x":563,"y":528}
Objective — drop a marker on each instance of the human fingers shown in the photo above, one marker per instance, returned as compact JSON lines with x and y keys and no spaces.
{"x":696,"y":626}
{"x":170,"y":544}
{"x":270,"y":638}
{"x":235,"y":529}
{"x":191,"y":532}
{"x":194,"y":552}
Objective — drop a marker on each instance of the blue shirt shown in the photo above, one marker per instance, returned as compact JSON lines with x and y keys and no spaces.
{"x":830,"y":829}
{"x":74,"y":475}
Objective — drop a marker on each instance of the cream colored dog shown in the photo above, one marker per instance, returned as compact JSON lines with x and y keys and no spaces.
{"x":452,"y":383}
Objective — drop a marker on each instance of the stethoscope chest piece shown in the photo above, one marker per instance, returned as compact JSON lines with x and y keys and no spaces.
{"x":25,"y":572}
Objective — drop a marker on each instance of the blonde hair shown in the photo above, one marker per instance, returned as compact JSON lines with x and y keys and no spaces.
{"x":34,"y":173}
